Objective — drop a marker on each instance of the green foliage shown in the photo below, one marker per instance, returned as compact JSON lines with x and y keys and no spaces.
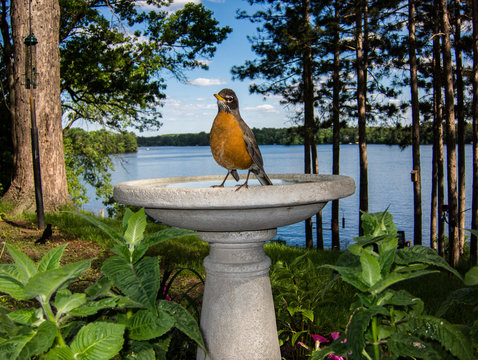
{"x":385,"y":321}
{"x":121,"y":314}
{"x":114,"y":57}
{"x":302,"y":309}
{"x":87,"y":161}
{"x":389,"y":135}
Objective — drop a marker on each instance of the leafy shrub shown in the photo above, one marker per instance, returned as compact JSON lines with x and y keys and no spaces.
{"x":121,"y":314}
{"x":389,"y":323}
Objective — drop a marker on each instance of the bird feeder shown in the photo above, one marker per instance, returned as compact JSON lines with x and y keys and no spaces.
{"x":31,"y":61}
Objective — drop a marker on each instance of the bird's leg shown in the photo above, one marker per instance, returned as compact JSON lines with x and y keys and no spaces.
{"x":245,"y":184}
{"x":223,"y":182}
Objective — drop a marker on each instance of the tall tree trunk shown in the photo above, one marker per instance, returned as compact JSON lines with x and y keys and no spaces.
{"x":474,"y":211}
{"x":460,"y":114}
{"x":417,"y":188}
{"x":361,"y":94}
{"x":45,"y":26}
{"x":318,"y":217}
{"x":307,"y":78}
{"x":454,"y":244}
{"x":438,"y":187}
{"x":336,"y":125}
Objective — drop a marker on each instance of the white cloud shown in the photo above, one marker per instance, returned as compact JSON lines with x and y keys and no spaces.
{"x":265,"y":108}
{"x":206,"y":82}
{"x":175,"y":5}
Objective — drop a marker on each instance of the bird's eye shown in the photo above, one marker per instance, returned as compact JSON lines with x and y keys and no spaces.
{"x":229,"y":98}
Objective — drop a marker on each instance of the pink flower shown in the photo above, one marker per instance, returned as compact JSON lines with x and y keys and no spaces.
{"x":335,"y":335}
{"x":335,"y":357}
{"x":319,"y":338}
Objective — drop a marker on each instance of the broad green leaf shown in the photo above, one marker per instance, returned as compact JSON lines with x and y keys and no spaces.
{"x":46,"y":283}
{"x":395,"y":277}
{"x":400,"y":298}
{"x":42,"y":340}
{"x":351,"y":275}
{"x":100,"y":288}
{"x":145,"y":325}
{"x":127,"y":214}
{"x":11,"y":348}
{"x":140,"y":350}
{"x":408,"y":346}
{"x":358,"y":326}
{"x":386,"y":259}
{"x":445,"y":333}
{"x":370,"y":268}
{"x":101,"y":225}
{"x":51,"y":260}
{"x":60,"y":353}
{"x":423,"y":255}
{"x":9,"y":284}
{"x":183,"y":320}
{"x":123,"y":251}
{"x":98,"y":341}
{"x":136,"y":226}
{"x":65,"y":301}
{"x":25,"y":266}
{"x":140,"y":281}
{"x":25,"y":316}
{"x":471,"y":277}
{"x":7,"y":327}
{"x":309,"y":314}
{"x":92,"y":307}
{"x":468,"y":296}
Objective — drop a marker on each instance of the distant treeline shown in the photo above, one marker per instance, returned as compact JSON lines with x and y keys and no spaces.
{"x":103,"y":141}
{"x":397,"y":135}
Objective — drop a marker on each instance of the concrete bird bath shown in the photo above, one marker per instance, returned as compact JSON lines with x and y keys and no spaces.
{"x":237,"y":317}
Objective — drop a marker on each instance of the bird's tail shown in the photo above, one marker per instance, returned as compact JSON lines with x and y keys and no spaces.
{"x":262,"y":176}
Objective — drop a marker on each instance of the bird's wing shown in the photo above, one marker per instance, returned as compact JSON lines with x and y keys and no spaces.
{"x":251,"y":144}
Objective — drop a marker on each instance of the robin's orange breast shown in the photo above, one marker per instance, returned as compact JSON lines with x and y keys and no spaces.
{"x":227,"y":143}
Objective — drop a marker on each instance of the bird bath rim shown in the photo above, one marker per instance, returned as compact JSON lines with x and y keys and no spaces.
{"x":294,"y":189}
{"x":225,"y":209}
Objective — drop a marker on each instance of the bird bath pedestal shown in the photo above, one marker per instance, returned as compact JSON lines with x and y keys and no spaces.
{"x":237,"y":317}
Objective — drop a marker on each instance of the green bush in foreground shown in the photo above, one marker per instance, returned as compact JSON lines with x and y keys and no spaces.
{"x":122,"y":314}
{"x":389,"y":323}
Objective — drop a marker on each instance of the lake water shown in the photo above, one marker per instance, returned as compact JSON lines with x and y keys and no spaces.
{"x":388,"y":174}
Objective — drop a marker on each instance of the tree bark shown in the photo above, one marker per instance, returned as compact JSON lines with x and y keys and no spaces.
{"x":460,"y":114}
{"x":417,"y":188}
{"x":307,"y":78}
{"x":45,"y":25}
{"x":437,"y":224}
{"x":454,"y":244}
{"x":361,"y":94}
{"x":336,"y":125}
{"x":474,"y":211}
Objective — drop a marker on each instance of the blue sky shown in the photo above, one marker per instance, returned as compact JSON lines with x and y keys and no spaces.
{"x":191,"y":107}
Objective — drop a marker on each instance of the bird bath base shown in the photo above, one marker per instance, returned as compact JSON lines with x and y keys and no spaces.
{"x":237,"y":316}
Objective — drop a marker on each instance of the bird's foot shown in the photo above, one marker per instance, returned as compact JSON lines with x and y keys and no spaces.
{"x":218,"y":186}
{"x":239,"y":187}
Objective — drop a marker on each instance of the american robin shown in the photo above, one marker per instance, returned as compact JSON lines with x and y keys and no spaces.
{"x":233,"y":143}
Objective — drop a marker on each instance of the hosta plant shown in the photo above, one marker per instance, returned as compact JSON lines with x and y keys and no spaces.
{"x":385,"y":322}
{"x":120,"y":315}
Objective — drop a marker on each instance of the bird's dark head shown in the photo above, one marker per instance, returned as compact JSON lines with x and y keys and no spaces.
{"x":227,"y":100}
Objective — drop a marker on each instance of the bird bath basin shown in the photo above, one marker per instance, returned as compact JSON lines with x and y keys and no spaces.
{"x":237,"y":317}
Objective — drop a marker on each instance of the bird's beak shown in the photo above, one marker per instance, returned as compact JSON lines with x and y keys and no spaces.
{"x":220,"y":98}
